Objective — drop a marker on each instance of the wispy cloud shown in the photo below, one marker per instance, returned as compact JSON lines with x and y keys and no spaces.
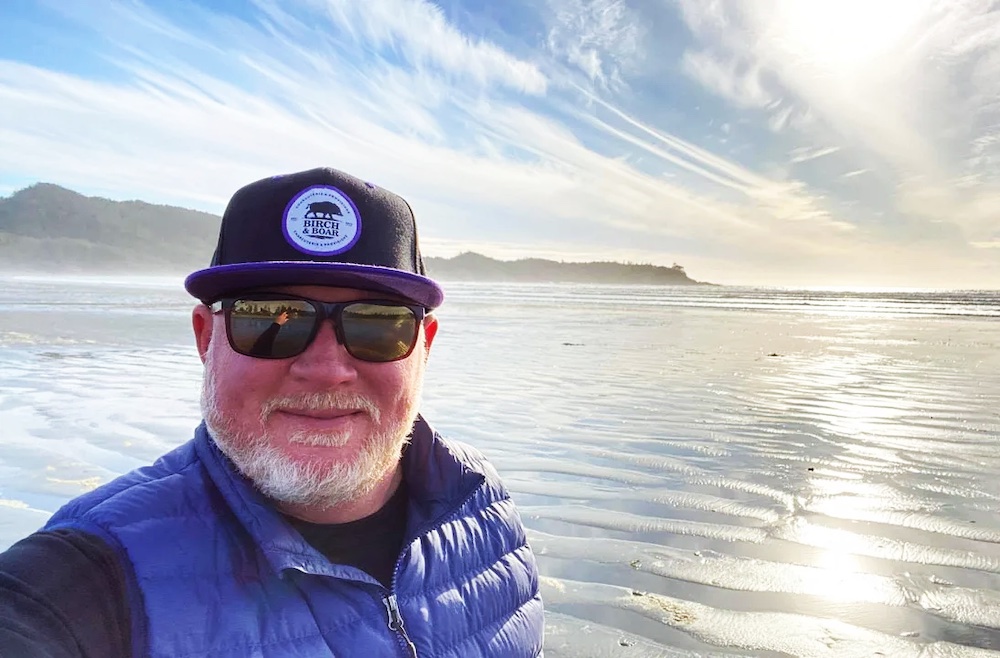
{"x":418,"y":30}
{"x":552,"y":151}
{"x":911,"y":85}
{"x":737,"y":80}
{"x":778,"y":199}
{"x":601,"y":38}
{"x":806,"y":153}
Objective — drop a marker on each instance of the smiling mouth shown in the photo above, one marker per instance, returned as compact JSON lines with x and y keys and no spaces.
{"x":321,"y":414}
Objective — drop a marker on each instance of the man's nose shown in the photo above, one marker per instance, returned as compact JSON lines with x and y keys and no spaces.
{"x":325,"y":361}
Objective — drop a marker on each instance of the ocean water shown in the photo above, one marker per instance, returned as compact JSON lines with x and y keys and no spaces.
{"x":702,"y":471}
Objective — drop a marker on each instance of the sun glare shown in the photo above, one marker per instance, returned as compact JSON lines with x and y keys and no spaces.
{"x":844,"y":34}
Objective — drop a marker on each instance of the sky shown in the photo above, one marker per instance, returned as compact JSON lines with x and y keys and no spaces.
{"x":820,"y":143}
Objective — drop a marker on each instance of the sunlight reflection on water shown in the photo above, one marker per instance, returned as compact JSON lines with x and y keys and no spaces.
{"x":701,"y":470}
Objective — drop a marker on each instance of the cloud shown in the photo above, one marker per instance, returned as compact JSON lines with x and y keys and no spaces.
{"x":383,"y":116}
{"x":489,"y":150}
{"x":419,"y":30}
{"x":738,"y":81}
{"x":601,"y":38}
{"x":806,"y":153}
{"x":782,"y":200}
{"x":909,"y":87}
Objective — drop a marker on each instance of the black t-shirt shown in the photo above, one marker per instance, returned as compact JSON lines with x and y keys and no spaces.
{"x":63,"y":592}
{"x":371,"y":544}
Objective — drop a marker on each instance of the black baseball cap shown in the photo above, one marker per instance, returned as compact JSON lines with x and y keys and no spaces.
{"x":317,"y":227}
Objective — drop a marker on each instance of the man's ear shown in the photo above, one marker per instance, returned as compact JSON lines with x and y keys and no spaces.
{"x":202,"y":321}
{"x":430,"y":330}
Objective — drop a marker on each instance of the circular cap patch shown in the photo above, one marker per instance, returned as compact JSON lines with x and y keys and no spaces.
{"x":321,"y":221}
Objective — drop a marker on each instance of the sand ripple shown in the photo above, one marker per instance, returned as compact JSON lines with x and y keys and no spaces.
{"x":702,"y":472}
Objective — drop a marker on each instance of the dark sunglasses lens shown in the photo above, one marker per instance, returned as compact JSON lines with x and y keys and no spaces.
{"x":378,"y":332}
{"x":271,"y":329}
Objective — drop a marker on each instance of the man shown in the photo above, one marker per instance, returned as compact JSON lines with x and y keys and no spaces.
{"x":314,"y":513}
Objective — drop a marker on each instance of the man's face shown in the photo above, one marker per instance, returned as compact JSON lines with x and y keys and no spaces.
{"x":321,"y":428}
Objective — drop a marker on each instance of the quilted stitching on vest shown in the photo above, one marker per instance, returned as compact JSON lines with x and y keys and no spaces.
{"x":222,"y":575}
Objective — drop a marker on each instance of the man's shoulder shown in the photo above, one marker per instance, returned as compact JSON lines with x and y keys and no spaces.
{"x":472,"y":462}
{"x":138,"y":488}
{"x":435,"y":446}
{"x":463,"y":452}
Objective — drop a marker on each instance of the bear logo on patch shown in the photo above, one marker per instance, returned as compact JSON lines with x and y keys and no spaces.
{"x":321,"y":221}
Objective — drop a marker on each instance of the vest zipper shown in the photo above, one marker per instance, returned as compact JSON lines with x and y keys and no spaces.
{"x":396,"y":624}
{"x":391,"y":606}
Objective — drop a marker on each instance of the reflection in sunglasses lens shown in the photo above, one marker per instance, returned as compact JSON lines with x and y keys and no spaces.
{"x":270,"y":328}
{"x":375,"y":332}
{"x":283,"y":328}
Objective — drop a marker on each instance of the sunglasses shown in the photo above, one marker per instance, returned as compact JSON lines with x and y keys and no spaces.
{"x":275,"y":326}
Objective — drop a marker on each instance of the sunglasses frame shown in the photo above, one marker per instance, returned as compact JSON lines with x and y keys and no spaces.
{"x":332,"y":311}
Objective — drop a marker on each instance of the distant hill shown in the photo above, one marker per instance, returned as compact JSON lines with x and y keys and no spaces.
{"x":47,"y":227}
{"x":51,"y":229}
{"x":471,"y":266}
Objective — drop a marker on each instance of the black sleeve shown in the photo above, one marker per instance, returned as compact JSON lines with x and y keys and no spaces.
{"x":63,"y":595}
{"x":265,"y":342}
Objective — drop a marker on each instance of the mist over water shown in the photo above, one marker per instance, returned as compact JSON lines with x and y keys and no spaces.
{"x":703,"y":471}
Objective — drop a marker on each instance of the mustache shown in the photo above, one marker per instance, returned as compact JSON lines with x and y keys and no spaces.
{"x":321,"y":401}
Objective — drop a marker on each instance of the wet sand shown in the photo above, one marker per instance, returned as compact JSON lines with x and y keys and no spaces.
{"x":702,"y":472}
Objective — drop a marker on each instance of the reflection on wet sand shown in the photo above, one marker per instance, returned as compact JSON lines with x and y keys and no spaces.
{"x":687,"y":493}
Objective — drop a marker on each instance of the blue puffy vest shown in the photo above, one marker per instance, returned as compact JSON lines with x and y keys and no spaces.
{"x":216,"y":572}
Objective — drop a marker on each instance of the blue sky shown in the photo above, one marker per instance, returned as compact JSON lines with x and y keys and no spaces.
{"x":775,"y":142}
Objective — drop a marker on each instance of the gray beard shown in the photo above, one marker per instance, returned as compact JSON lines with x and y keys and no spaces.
{"x":318,"y":485}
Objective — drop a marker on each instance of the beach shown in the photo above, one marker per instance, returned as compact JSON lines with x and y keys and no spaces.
{"x":702,"y":470}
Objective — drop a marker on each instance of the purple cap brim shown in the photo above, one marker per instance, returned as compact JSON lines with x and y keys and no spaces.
{"x":212,"y":283}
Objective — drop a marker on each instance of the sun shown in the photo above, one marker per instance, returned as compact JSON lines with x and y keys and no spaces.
{"x":843,"y":35}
